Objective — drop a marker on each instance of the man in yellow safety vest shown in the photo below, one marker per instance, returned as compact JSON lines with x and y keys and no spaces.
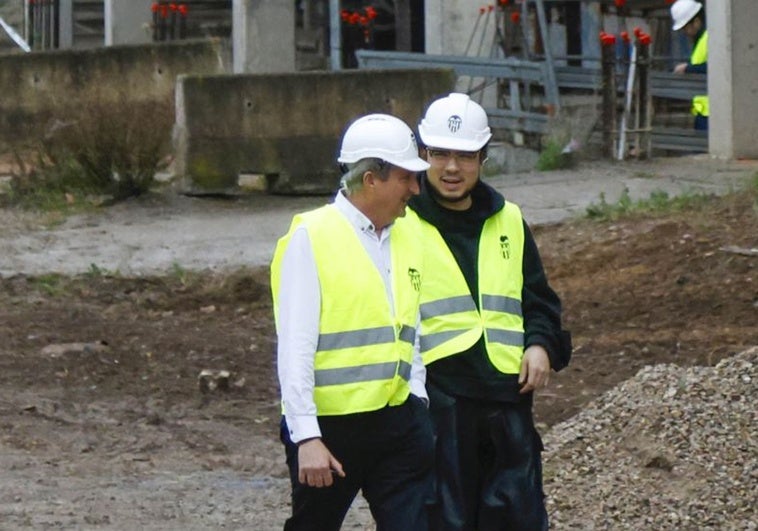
{"x":490,"y":332}
{"x":346,"y":283}
{"x":689,"y":17}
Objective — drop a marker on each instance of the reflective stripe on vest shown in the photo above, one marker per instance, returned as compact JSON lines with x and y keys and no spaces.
{"x":364,"y":373}
{"x":450,"y":321}
{"x":699,"y":56}
{"x":364,"y":353}
{"x":361,"y":338}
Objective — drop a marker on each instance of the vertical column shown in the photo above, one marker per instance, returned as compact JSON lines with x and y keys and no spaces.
{"x":335,"y":35}
{"x":127,"y":22}
{"x":608,"y":65}
{"x":263,"y":36}
{"x":65,"y":24}
{"x":732,"y":78}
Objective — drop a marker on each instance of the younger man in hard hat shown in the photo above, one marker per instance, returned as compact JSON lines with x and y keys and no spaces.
{"x":490,"y":331}
{"x":346,"y":284}
{"x":689,"y":17}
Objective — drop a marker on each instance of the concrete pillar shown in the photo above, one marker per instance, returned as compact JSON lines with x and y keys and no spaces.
{"x":590,"y":14}
{"x":128,"y":22}
{"x":263,"y":36}
{"x":458,"y":27}
{"x":65,"y":24}
{"x":732,"y":78}
{"x":335,"y":35}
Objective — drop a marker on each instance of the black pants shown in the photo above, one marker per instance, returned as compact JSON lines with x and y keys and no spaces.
{"x":488,"y":471}
{"x":388,"y":454}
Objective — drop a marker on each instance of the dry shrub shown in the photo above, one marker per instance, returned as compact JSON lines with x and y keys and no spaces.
{"x":117,"y":144}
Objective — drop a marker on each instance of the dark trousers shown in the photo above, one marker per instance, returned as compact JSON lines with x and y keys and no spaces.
{"x":701,"y":122}
{"x":488,"y":471}
{"x":387,"y":454}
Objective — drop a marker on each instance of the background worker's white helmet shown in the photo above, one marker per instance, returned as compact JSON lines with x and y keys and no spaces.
{"x":383,"y":137}
{"x":683,"y":11}
{"x":455,"y":122}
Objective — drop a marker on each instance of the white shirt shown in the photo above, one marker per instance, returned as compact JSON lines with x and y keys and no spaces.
{"x":298,"y":319}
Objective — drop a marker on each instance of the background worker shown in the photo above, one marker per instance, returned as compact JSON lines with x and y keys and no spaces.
{"x":346,"y":283}
{"x":689,"y":17}
{"x":490,"y":332}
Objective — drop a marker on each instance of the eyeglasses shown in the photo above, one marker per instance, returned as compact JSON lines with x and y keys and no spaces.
{"x":442,"y":156}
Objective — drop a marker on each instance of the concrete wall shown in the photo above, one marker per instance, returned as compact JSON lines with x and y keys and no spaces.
{"x":733,"y":78}
{"x":285,"y":127}
{"x":39,"y":86}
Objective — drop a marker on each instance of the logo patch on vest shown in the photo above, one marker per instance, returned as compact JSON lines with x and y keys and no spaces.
{"x":505,"y":247}
{"x":454,"y":123}
{"x":415,"y":278}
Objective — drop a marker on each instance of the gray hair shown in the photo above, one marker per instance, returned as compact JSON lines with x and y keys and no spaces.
{"x":352,"y":179}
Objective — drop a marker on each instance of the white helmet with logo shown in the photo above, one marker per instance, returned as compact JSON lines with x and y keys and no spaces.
{"x":383,"y":137}
{"x":683,"y":11}
{"x":455,"y":122}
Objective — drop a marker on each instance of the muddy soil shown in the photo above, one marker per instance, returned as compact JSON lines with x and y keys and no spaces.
{"x":104,"y":424}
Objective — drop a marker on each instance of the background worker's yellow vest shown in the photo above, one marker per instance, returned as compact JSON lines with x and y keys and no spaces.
{"x":450,"y":321}
{"x":698,"y":57}
{"x":364,"y":354}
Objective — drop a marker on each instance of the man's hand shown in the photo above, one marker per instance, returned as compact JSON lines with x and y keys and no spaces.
{"x":317,"y":464}
{"x":679,"y":69}
{"x":535,"y":369}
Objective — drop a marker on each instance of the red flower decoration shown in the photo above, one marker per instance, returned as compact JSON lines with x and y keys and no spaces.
{"x":515,"y":17}
{"x":620,"y":3}
{"x":183,"y":10}
{"x":607,"y":39}
{"x":153,"y":8}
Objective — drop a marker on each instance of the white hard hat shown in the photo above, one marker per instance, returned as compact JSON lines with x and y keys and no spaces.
{"x":383,"y":137}
{"x":455,"y":122}
{"x":683,"y":11}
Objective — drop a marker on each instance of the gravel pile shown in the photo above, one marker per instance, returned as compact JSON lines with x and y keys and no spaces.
{"x":671,"y":448}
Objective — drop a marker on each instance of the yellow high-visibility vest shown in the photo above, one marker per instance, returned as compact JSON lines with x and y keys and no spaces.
{"x":699,"y":56}
{"x":450,"y":320}
{"x":364,"y":353}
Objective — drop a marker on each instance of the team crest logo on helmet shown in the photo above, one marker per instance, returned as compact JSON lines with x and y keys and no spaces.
{"x":413,"y":139}
{"x":454,"y":123}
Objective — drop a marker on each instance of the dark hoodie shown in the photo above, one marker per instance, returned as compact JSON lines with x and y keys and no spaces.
{"x":470,"y":373}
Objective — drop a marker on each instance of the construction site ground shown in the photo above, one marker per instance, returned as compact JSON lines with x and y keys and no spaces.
{"x":103,"y":421}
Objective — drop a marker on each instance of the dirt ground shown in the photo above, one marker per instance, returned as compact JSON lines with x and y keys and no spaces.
{"x":103,"y":422}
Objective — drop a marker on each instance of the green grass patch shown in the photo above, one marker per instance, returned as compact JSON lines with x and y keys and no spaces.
{"x":552,"y":157}
{"x":51,"y":284}
{"x":658,"y":202}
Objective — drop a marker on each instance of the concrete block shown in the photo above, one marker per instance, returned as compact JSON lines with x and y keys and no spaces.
{"x":285,"y":127}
